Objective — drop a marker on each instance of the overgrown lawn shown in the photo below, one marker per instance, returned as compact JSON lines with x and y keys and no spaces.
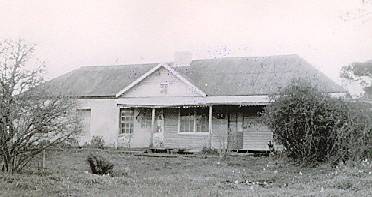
{"x":67,"y":175}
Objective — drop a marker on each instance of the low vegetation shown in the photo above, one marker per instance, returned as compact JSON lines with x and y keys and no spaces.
{"x":67,"y":174}
{"x":96,"y":142}
{"x":100,"y":165}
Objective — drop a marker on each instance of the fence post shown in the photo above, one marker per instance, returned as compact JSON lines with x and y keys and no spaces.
{"x":43,"y":164}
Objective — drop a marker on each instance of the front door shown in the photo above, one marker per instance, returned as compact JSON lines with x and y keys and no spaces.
{"x":158,"y":138}
{"x":234,"y":137}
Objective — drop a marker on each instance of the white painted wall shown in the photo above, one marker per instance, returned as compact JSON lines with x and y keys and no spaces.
{"x":104,"y":119}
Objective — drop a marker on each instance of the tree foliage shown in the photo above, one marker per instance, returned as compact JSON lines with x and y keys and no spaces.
{"x":314,"y":127}
{"x":361,"y":73}
{"x":30,"y":120}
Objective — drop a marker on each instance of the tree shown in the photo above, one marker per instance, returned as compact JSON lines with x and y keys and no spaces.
{"x":314,"y":127}
{"x":362,"y":12}
{"x":31,"y":120}
{"x":361,"y":73}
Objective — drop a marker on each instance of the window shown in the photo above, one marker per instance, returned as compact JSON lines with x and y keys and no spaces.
{"x":232,"y":122}
{"x":201,"y":120}
{"x":193,"y":120}
{"x":84,"y":117}
{"x":163,"y":88}
{"x":251,"y":120}
{"x":253,"y":124}
{"x":187,"y":120}
{"x":126,"y":120}
{"x":144,"y":117}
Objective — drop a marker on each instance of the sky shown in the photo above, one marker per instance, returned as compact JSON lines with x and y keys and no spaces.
{"x":73,"y":33}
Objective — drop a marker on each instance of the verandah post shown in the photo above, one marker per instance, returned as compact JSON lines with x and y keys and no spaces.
{"x":210,"y":125}
{"x":152,"y":127}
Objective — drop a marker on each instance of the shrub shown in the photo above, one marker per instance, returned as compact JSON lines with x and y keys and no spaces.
{"x":99,"y":165}
{"x":70,"y":142}
{"x":209,"y":151}
{"x":312,"y":126}
{"x":97,"y":142}
{"x":354,"y":138}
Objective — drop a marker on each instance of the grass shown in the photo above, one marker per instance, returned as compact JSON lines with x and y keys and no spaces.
{"x":67,"y":175}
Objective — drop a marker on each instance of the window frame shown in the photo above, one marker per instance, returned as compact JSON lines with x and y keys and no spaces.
{"x":145,"y":118}
{"x":194,"y":131}
{"x":121,"y":122}
{"x":164,"y":88}
{"x":79,"y":112}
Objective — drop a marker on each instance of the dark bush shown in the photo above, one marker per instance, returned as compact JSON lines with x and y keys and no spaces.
{"x":354,"y":138}
{"x":209,"y":151}
{"x":314,"y":127}
{"x":99,"y":165}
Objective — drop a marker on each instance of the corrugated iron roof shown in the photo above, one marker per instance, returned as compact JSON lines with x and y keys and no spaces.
{"x":230,"y":76}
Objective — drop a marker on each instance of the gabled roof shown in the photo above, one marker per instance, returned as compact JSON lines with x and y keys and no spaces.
{"x":165,"y":66}
{"x":230,"y":76}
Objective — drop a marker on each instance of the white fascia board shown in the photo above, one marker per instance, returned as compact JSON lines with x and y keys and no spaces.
{"x":175,"y":73}
{"x":138,"y":80}
{"x":144,"y":76}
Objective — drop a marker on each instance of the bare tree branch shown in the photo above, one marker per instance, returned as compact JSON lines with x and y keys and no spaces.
{"x":30,"y":119}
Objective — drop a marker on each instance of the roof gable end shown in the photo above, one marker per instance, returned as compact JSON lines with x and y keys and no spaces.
{"x":170,"y":70}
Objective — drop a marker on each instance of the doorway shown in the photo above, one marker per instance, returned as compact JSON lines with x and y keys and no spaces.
{"x":234,"y":136}
{"x":158,"y":138}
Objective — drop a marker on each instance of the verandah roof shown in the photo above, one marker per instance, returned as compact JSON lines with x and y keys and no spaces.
{"x":192,"y":101}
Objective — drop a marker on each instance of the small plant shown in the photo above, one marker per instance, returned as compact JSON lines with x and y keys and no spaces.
{"x":69,"y":143}
{"x":209,"y":151}
{"x":97,"y":142}
{"x":369,"y":153}
{"x":344,"y":184}
{"x":99,"y":165}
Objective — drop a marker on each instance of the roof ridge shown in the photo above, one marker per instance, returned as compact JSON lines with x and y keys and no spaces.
{"x":116,"y":66}
{"x":217,"y":58}
{"x":251,"y":57}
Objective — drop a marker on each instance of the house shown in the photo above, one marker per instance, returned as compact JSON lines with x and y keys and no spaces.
{"x":203,"y":103}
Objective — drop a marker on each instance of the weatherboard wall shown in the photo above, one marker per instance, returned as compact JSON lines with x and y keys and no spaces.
{"x":104,"y":121}
{"x":255,"y":136}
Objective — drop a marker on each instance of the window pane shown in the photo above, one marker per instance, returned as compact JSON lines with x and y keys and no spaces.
{"x":201,"y":118}
{"x":127,"y":120}
{"x":84,"y":117}
{"x":186,"y":120}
